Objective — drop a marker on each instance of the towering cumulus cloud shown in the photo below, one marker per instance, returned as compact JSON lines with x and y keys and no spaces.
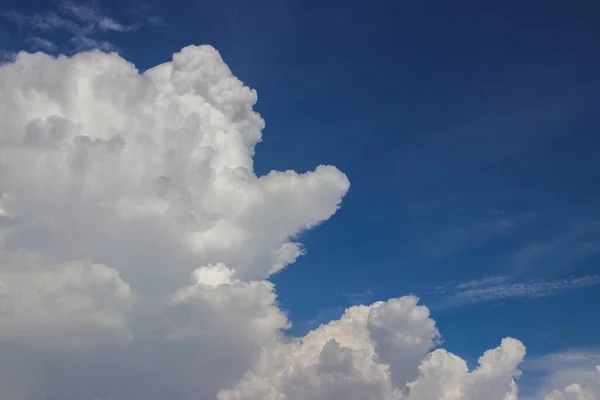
{"x":136,"y":243}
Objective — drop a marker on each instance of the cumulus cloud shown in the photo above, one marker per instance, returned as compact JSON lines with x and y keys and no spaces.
{"x":568,"y":375}
{"x":68,"y":303}
{"x":7,"y":56}
{"x":137,"y":243}
{"x":378,"y":352}
{"x":590,"y":390}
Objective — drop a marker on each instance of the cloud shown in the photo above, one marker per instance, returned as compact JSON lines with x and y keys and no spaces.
{"x":49,"y":21}
{"x":94,"y":18}
{"x":501,"y":288}
{"x":83,"y":43}
{"x":74,"y":18}
{"x":576,"y":391}
{"x":576,"y":358}
{"x":378,"y":352}
{"x":38,"y":43}
{"x":7,"y":56}
{"x":568,"y":375}
{"x":82,"y":21}
{"x":137,"y":243}
{"x":478,"y":283}
{"x":359,"y":297}
{"x":65,"y":304}
{"x":453,"y":240}
{"x":573,"y":246}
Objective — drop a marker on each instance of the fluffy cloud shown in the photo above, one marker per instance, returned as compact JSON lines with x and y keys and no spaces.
{"x":378,"y":352}
{"x":569,"y":375}
{"x":70,"y":303}
{"x":590,"y":390}
{"x":136,"y":244}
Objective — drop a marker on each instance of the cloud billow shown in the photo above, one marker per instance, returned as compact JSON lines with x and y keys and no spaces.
{"x":136,"y":244}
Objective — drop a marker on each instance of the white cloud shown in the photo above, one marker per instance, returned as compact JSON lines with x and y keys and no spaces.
{"x":500,"y":288}
{"x":378,"y":352}
{"x":38,"y":43}
{"x":91,"y":15}
{"x":117,"y":187}
{"x":572,"y":359}
{"x":49,"y":21}
{"x":576,"y":391}
{"x":82,"y":21}
{"x":7,"y":56}
{"x":68,"y":303}
{"x":79,"y":19}
{"x":84,"y":43}
{"x":568,"y":375}
{"x":587,"y":388}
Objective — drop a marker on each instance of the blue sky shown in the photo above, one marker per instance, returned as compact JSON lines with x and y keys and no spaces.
{"x":469,"y":133}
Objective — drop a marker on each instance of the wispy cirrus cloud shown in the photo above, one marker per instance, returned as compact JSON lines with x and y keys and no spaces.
{"x":49,"y":21}
{"x":93,"y":18}
{"x":568,"y":359}
{"x":503,"y":287}
{"x":452,"y":240}
{"x":39,"y":43}
{"x":83,"y":43}
{"x":359,"y":297}
{"x":82,"y":21}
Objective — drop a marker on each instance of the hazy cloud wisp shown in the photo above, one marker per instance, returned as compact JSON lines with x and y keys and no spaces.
{"x":82,"y":21}
{"x":503,"y":287}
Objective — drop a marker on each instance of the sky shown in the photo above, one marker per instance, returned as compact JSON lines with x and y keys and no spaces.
{"x":138,"y":204}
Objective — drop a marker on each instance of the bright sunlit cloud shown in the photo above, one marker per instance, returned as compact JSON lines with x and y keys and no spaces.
{"x":136,"y":244}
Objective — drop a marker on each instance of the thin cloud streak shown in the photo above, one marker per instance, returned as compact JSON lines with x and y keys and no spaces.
{"x":500,"y":288}
{"x":81,"y":21}
{"x":95,"y":18}
{"x":84,"y":43}
{"x":574,"y":358}
{"x":39,"y":43}
{"x":47,"y":22}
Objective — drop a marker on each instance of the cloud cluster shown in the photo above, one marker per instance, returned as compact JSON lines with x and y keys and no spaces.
{"x":378,"y":352}
{"x":136,"y":244}
{"x":81,"y":21}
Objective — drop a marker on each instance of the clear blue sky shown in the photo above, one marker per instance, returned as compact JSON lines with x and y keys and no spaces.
{"x":470,"y":133}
